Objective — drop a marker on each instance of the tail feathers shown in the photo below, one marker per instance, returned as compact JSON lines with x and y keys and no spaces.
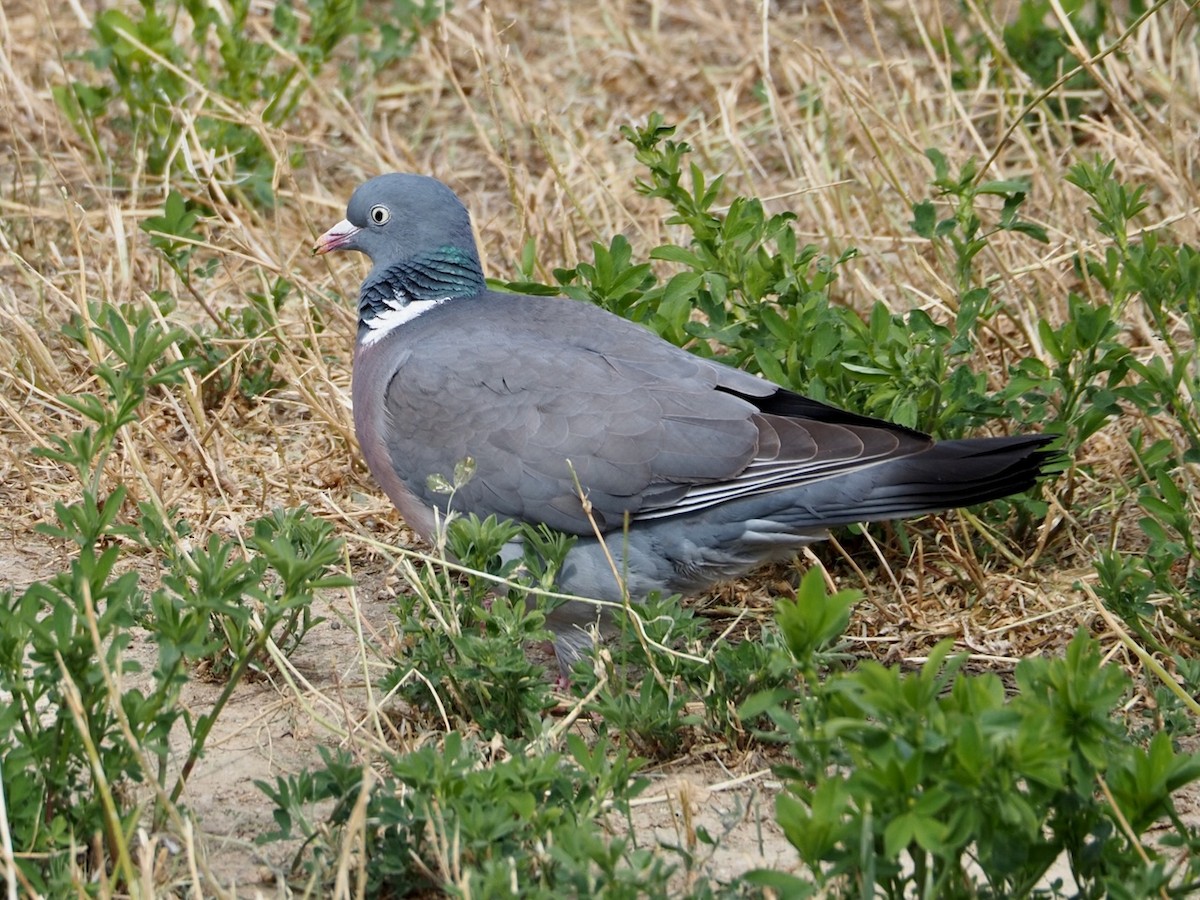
{"x":949,"y":475}
{"x":958,"y":473}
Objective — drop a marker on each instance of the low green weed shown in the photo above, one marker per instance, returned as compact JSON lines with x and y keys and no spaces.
{"x":957,"y":394}
{"x":237,"y":355}
{"x":660,"y":702}
{"x":196,"y":69}
{"x":1033,"y":48}
{"x":84,"y":726}
{"x":289,"y":558}
{"x":239,"y":358}
{"x":465,"y":644}
{"x":472,"y":820}
{"x":1156,"y":592}
{"x":1163,"y":278}
{"x":1044,"y":51}
{"x":936,"y":782}
{"x":765,"y":301}
{"x":387,"y":31}
{"x":643,"y":704}
{"x":175,"y":235}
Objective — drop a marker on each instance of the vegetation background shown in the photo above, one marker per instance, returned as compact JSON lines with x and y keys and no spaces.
{"x":227,"y":668}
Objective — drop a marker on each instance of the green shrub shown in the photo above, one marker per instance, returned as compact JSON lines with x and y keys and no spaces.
{"x":936,"y":782}
{"x":77,"y":738}
{"x":216,"y":84}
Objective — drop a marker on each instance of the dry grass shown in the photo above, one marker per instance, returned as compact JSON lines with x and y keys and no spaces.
{"x":822,"y":109}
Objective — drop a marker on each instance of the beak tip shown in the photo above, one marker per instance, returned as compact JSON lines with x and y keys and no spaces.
{"x":339,"y":237}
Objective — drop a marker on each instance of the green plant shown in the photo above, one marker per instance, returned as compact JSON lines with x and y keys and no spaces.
{"x":963,"y":236}
{"x":466,"y":643}
{"x":192,"y":69}
{"x":1034,"y":47}
{"x":238,"y":359}
{"x":1161,"y":278}
{"x":645,"y":713}
{"x":739,"y":670}
{"x":289,"y":559}
{"x":940,"y":769}
{"x":667,"y":668}
{"x":70,"y":739}
{"x":174,"y":233}
{"x":238,"y":356}
{"x":468,"y":820}
{"x":395,"y":27}
{"x":765,"y":301}
{"x":1043,"y":51}
{"x":75,"y":733}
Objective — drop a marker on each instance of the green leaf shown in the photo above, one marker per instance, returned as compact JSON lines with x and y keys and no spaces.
{"x":781,"y":883}
{"x":924,"y":218}
{"x":679,"y":294}
{"x":671,"y":253}
{"x":816,"y":619}
{"x":1003,"y":188}
{"x":941,"y":168}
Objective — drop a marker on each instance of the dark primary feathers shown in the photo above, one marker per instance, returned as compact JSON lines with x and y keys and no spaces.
{"x":713,"y":470}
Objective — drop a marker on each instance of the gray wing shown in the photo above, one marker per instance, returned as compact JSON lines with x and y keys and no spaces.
{"x":649,"y":430}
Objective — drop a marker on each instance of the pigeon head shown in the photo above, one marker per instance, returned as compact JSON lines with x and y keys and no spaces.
{"x":399,"y":217}
{"x":418,"y":236}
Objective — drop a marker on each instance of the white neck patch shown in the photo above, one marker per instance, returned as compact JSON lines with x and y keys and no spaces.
{"x":399,"y":311}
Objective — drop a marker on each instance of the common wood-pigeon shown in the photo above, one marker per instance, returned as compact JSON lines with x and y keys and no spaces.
{"x":696,"y":472}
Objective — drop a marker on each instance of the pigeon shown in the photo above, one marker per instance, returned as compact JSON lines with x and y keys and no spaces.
{"x":694,"y":472}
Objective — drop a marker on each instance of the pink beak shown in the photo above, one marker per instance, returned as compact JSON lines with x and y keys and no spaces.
{"x":336,"y":237}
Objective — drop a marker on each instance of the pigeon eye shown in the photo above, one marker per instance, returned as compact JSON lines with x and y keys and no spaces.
{"x":380,"y":215}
